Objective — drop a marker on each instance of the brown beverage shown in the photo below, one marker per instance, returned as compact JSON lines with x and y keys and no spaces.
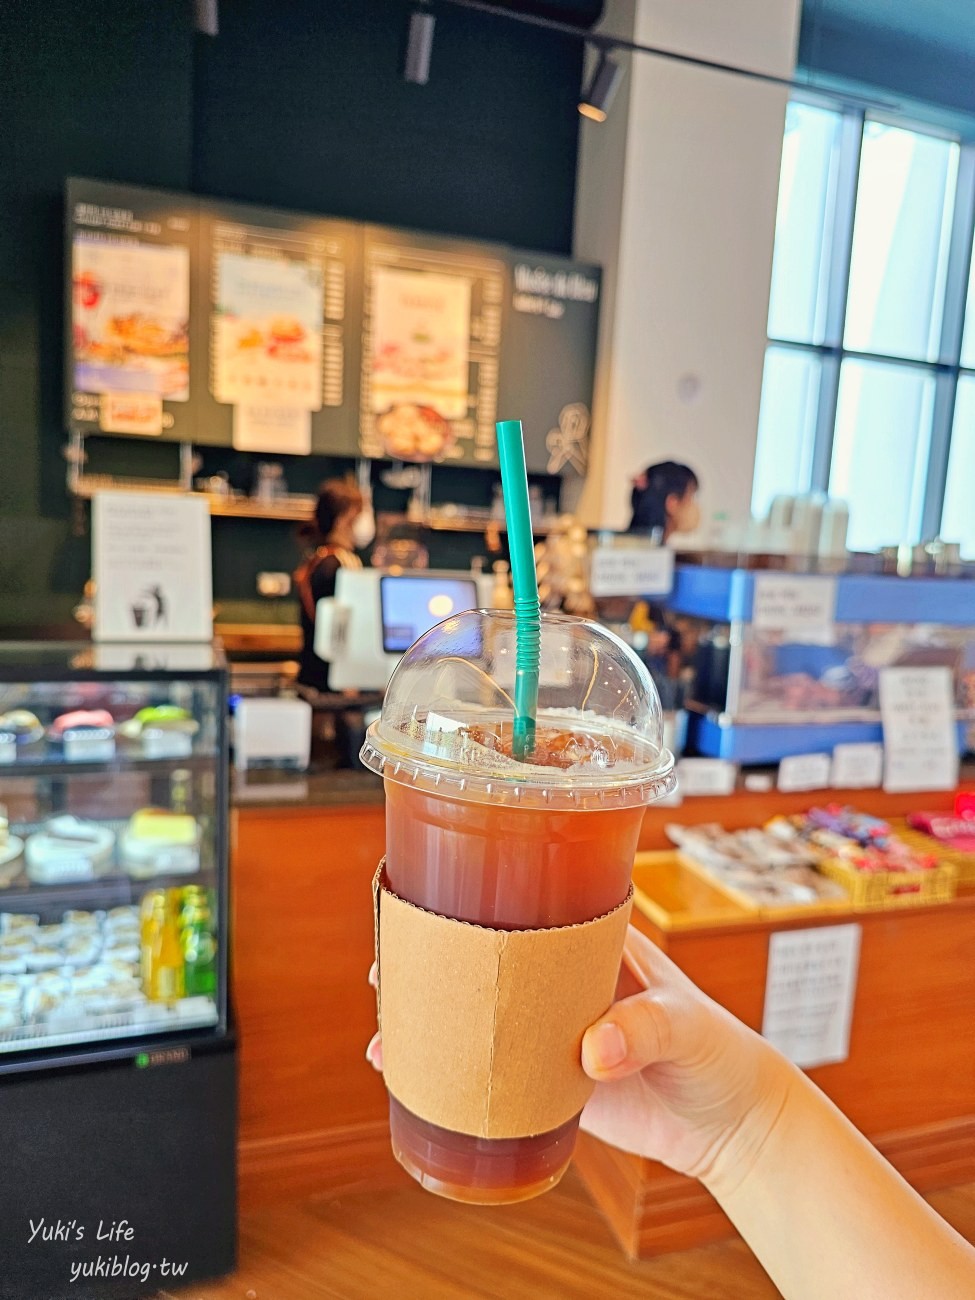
{"x":509,"y":868}
{"x":473,"y":835}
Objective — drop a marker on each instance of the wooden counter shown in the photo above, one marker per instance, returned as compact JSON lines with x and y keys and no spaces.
{"x":313,"y":1112}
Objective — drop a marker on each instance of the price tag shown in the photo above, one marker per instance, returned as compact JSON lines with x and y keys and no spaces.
{"x":700,"y":776}
{"x":89,"y":745}
{"x":8,"y":747}
{"x":809,"y":992}
{"x":166,"y":744}
{"x":798,"y":608}
{"x":804,"y":772}
{"x":920,"y":741}
{"x":631,"y":571}
{"x":857,"y":767}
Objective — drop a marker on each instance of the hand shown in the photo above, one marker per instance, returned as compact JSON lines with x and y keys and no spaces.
{"x":374,"y":1051}
{"x":678,"y":1078}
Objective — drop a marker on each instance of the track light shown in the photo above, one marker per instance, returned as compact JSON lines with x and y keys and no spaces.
{"x":598,"y":96}
{"x":419,"y":47}
{"x":206,"y":19}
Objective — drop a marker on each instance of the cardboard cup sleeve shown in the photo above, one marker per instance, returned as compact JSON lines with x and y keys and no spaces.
{"x":482,"y":1029}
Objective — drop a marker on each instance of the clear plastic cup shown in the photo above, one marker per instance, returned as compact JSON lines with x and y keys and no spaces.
{"x":473,"y":834}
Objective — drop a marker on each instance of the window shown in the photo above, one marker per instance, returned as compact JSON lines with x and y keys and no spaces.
{"x":866,"y":391}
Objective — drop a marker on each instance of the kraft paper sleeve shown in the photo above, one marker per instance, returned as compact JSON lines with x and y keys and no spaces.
{"x":482,"y":1029}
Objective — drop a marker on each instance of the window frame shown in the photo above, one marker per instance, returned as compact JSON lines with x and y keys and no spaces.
{"x":946,"y":367}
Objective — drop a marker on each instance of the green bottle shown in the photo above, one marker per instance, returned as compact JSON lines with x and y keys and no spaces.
{"x":199,"y":952}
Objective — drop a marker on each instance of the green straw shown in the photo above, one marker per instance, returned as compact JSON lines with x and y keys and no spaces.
{"x":528,"y":621}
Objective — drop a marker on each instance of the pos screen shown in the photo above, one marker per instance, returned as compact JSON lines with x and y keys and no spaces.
{"x":412,"y":605}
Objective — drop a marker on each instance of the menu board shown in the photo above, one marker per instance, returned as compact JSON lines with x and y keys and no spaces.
{"x":431,"y":344}
{"x":129,"y":303}
{"x":281,"y":330}
{"x":281,"y":333}
{"x":548,"y":359}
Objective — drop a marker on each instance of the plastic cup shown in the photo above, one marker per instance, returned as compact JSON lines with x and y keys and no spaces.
{"x":475,"y":835}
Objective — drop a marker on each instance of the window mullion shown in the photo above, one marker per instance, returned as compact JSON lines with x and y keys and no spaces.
{"x":952,"y":327}
{"x":848,"y":168}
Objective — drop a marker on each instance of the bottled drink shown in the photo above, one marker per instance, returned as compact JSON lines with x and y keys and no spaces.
{"x":199,"y":949}
{"x":152,"y":916}
{"x":166,"y":975}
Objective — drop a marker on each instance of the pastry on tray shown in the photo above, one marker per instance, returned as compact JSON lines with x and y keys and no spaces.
{"x":159,"y":717}
{"x":23,"y":725}
{"x":69,"y":849}
{"x":81,"y":719}
{"x":11,"y":848}
{"x":159,"y":842}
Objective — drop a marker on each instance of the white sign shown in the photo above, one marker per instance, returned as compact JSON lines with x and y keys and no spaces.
{"x":631,"y":571}
{"x":920,"y":741}
{"x":857,"y":766}
{"x":698,"y":776}
{"x":809,"y":991}
{"x":799,"y":608}
{"x":804,"y":772}
{"x":282,"y":429}
{"x":151,"y":566}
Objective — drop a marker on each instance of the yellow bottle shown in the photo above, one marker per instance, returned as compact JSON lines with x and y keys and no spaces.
{"x":152,"y":915}
{"x":166,"y":979}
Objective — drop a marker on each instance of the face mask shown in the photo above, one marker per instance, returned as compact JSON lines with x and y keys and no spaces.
{"x":363,"y":529}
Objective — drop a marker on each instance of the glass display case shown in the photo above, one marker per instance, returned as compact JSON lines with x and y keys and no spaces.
{"x":758,"y":694}
{"x":113,"y":850}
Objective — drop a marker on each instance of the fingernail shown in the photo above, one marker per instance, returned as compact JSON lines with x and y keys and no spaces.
{"x":605,"y":1046}
{"x":372,"y":1051}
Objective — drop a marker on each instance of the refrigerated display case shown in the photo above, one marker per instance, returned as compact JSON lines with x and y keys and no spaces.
{"x":114,"y":945}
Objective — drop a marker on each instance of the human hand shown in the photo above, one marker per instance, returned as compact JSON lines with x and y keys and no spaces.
{"x":678,"y":1078}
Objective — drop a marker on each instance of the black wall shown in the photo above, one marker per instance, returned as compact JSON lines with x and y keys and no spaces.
{"x":297,"y":103}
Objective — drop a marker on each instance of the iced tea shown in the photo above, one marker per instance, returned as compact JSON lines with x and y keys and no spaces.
{"x":507,"y":867}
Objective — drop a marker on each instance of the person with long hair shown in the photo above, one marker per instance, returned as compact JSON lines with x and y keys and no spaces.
{"x":664,"y":500}
{"x":334,"y":533}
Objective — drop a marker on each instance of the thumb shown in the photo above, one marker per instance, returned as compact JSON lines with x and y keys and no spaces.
{"x":633,"y":1034}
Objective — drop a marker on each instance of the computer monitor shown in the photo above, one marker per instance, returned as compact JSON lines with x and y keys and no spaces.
{"x":356,"y":629}
{"x":412,"y":603}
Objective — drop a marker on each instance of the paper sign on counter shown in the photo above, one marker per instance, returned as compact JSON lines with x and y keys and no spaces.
{"x":701,"y":776}
{"x":152,"y":569}
{"x":631,"y":571}
{"x":857,"y":766}
{"x":920,"y":741}
{"x":804,"y":772}
{"x":809,"y":993}
{"x":800,"y":608}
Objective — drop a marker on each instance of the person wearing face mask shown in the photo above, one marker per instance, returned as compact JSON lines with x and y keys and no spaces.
{"x":341,"y":525}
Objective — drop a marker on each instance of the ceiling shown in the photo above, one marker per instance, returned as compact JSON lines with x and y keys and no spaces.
{"x":936,"y":22}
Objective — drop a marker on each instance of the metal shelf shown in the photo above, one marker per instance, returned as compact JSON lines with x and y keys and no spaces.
{"x":101,"y":893}
{"x":47,"y":766}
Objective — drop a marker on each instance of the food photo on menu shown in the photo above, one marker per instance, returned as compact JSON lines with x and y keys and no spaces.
{"x":267,"y":331}
{"x":130,"y":317}
{"x":420,"y":370}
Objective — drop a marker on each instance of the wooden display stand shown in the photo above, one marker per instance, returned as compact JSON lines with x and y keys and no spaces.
{"x":313,"y":1112}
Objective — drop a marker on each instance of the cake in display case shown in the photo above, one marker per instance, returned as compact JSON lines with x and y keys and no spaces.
{"x":113,"y":835}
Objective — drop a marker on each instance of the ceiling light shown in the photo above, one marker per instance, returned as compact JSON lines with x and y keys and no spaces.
{"x":419,"y":47}
{"x":205,"y":17}
{"x":598,"y":96}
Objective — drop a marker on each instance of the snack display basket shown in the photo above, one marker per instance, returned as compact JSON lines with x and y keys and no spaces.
{"x":873,"y":889}
{"x":964,"y":863}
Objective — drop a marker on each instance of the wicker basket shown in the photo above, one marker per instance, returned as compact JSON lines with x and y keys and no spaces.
{"x":964,"y":863}
{"x":870,"y":889}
